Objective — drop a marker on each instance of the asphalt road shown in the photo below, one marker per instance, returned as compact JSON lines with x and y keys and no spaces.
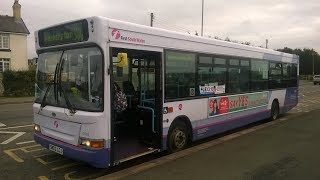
{"x":15,"y":114}
{"x":284,"y":149}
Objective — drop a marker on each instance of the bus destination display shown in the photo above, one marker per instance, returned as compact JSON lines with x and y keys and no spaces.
{"x":64,"y":34}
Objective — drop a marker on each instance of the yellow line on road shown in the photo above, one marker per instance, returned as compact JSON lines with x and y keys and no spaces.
{"x":46,"y":154}
{"x":65,"y":166}
{"x":13,"y":156}
{"x":67,"y":176}
{"x":50,"y":162}
{"x":10,"y":153}
{"x":41,"y":161}
{"x":39,"y":149}
{"x":43,"y":178}
{"x":24,"y":149}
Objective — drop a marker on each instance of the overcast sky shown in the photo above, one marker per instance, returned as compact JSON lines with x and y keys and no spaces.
{"x":290,"y":23}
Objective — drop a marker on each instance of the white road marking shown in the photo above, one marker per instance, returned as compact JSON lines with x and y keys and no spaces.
{"x":18,"y":134}
{"x":2,"y":125}
{"x":25,"y":142}
{"x":14,"y":127}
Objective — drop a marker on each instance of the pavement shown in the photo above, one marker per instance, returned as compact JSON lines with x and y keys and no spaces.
{"x":16,"y":100}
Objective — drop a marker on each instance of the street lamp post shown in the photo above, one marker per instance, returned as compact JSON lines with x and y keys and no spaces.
{"x":202,"y":19}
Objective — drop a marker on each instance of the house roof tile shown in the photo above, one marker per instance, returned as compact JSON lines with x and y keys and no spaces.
{"x":9,"y":24}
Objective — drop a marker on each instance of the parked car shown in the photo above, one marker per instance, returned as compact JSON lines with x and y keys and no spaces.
{"x":316,"y":79}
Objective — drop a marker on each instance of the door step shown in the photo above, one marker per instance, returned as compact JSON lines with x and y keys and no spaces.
{"x":151,"y":150}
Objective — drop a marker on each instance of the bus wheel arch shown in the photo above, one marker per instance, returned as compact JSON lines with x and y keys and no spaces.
{"x":180,"y":134}
{"x":275,"y":109}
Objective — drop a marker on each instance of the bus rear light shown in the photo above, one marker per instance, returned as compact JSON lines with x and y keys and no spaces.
{"x":37,"y":128}
{"x":92,"y":143}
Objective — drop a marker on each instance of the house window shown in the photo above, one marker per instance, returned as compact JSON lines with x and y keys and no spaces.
{"x":4,"y":41}
{"x":4,"y":64}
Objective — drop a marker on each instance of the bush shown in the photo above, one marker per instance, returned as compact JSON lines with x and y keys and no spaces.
{"x":19,"y":83}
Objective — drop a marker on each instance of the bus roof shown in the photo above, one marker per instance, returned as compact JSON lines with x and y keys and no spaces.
{"x":185,"y":36}
{"x":177,"y":37}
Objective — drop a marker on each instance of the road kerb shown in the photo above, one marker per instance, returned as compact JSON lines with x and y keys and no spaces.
{"x":16,"y":102}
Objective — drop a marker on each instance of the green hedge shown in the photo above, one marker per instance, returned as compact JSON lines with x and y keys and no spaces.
{"x":18,"y":83}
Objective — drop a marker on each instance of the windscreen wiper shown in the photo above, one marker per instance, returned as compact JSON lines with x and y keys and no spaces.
{"x":43,"y":101}
{"x":66,"y":97}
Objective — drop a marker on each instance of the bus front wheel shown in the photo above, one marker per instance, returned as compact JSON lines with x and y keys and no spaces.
{"x":275,"y":110}
{"x":178,"y":137}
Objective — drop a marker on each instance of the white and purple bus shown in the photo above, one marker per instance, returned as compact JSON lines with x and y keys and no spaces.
{"x":109,"y":91}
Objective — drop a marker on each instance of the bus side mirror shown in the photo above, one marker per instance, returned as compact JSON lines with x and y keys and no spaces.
{"x":122,"y":60}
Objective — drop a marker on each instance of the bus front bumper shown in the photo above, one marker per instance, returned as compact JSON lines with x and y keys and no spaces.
{"x":99,"y":158}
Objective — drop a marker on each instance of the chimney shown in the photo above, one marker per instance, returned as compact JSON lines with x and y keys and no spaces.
{"x":16,"y":10}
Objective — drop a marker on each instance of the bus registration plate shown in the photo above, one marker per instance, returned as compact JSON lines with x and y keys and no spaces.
{"x":56,"y":149}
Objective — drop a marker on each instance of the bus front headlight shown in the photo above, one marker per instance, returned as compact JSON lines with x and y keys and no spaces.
{"x":37,"y":128}
{"x":92,"y":143}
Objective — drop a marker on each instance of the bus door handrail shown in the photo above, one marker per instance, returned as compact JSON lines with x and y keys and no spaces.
{"x":150,"y":109}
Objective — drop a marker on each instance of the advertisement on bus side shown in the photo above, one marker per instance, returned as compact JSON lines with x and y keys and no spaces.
{"x":234,"y":103}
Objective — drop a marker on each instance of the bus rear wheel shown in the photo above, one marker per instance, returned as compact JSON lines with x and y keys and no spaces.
{"x":178,"y":137}
{"x":275,"y":110}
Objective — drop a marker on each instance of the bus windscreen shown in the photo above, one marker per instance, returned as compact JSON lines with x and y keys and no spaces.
{"x":64,"y":34}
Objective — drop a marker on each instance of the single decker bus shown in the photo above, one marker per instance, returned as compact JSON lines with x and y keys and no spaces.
{"x":109,"y":91}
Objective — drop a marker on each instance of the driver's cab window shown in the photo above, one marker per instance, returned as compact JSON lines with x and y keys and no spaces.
{"x":82,"y":77}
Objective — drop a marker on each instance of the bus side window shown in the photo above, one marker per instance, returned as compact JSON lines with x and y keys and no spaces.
{"x":180,"y":74}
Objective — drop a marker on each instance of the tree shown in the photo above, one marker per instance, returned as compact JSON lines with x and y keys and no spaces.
{"x":306,"y":57}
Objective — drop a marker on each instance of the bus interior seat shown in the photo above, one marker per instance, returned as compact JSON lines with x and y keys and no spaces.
{"x":128,"y":88}
{"x":131,"y":93}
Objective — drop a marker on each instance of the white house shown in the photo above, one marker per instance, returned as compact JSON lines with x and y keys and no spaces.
{"x":13,"y":41}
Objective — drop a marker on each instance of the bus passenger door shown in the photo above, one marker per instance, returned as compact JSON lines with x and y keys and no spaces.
{"x":137,"y":129}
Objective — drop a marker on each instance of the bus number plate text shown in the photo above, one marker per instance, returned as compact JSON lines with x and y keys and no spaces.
{"x":56,"y":149}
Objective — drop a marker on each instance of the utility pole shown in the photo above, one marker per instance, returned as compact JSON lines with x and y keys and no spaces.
{"x":151,"y":19}
{"x":202,"y":18}
{"x":267,"y":41}
{"x":313,"y":63}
